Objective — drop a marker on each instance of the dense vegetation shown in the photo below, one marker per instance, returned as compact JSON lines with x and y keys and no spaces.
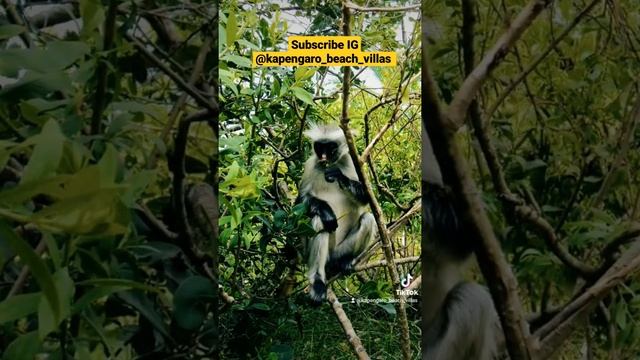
{"x":552,"y":139}
{"x":106,"y":154}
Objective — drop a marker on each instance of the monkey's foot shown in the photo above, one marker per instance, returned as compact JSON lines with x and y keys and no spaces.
{"x":341,"y":265}
{"x":318,"y":292}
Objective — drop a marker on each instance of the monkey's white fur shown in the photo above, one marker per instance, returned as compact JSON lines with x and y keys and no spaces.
{"x":356,"y":227}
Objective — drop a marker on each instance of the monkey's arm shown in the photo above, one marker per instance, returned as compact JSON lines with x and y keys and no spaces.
{"x":353,"y":187}
{"x":321,"y":209}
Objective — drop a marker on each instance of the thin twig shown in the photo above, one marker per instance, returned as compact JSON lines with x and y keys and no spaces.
{"x":207,"y":103}
{"x":355,"y":7}
{"x":379,"y":263}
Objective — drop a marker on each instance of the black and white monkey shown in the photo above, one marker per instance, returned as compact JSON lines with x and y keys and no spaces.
{"x":337,"y":204}
{"x":460,"y":321}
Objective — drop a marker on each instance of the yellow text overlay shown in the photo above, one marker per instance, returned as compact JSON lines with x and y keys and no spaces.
{"x":324,"y":51}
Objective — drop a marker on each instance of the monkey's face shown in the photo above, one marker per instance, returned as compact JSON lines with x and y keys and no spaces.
{"x":326,"y":151}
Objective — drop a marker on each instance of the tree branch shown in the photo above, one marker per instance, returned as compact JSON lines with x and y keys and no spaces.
{"x":467,"y":92}
{"x":375,"y":206}
{"x":353,"y":338}
{"x":379,"y":263}
{"x":554,"y":332}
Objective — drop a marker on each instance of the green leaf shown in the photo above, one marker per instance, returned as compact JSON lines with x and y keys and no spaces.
{"x":303,"y":73}
{"x":92,"y":13}
{"x":241,"y":61}
{"x":10,"y":30}
{"x":189,"y":301}
{"x":242,"y":187}
{"x":232,"y":27}
{"x":138,"y":182}
{"x":35,"y":84}
{"x":93,"y":295}
{"x":303,"y":95}
{"x":46,"y":154}
{"x":36,"y":265}
{"x":25,"y":346}
{"x":99,"y":213}
{"x":118,"y":283}
{"x":19,"y":306}
{"x":47,"y":322}
{"x":388,"y":307}
{"x":260,"y":306}
{"x":108,"y":166}
{"x":139,"y":301}
{"x":58,"y":55}
{"x":52,"y":248}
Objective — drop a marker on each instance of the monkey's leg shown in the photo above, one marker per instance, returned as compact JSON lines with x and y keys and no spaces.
{"x":318,"y":255}
{"x":356,"y":241}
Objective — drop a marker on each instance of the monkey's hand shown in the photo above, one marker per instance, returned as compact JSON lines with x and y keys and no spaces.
{"x":324,"y":219}
{"x":329,"y":221}
{"x":333,"y":174}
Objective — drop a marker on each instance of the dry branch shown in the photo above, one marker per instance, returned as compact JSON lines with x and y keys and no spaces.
{"x":353,"y":338}
{"x":151,"y":220}
{"x":379,"y":263}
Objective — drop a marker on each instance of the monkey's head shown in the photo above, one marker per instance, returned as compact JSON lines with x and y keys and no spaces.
{"x":329,"y":143}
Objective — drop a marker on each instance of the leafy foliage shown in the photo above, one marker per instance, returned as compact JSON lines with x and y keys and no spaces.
{"x":566,"y":139}
{"x":93,"y":261}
